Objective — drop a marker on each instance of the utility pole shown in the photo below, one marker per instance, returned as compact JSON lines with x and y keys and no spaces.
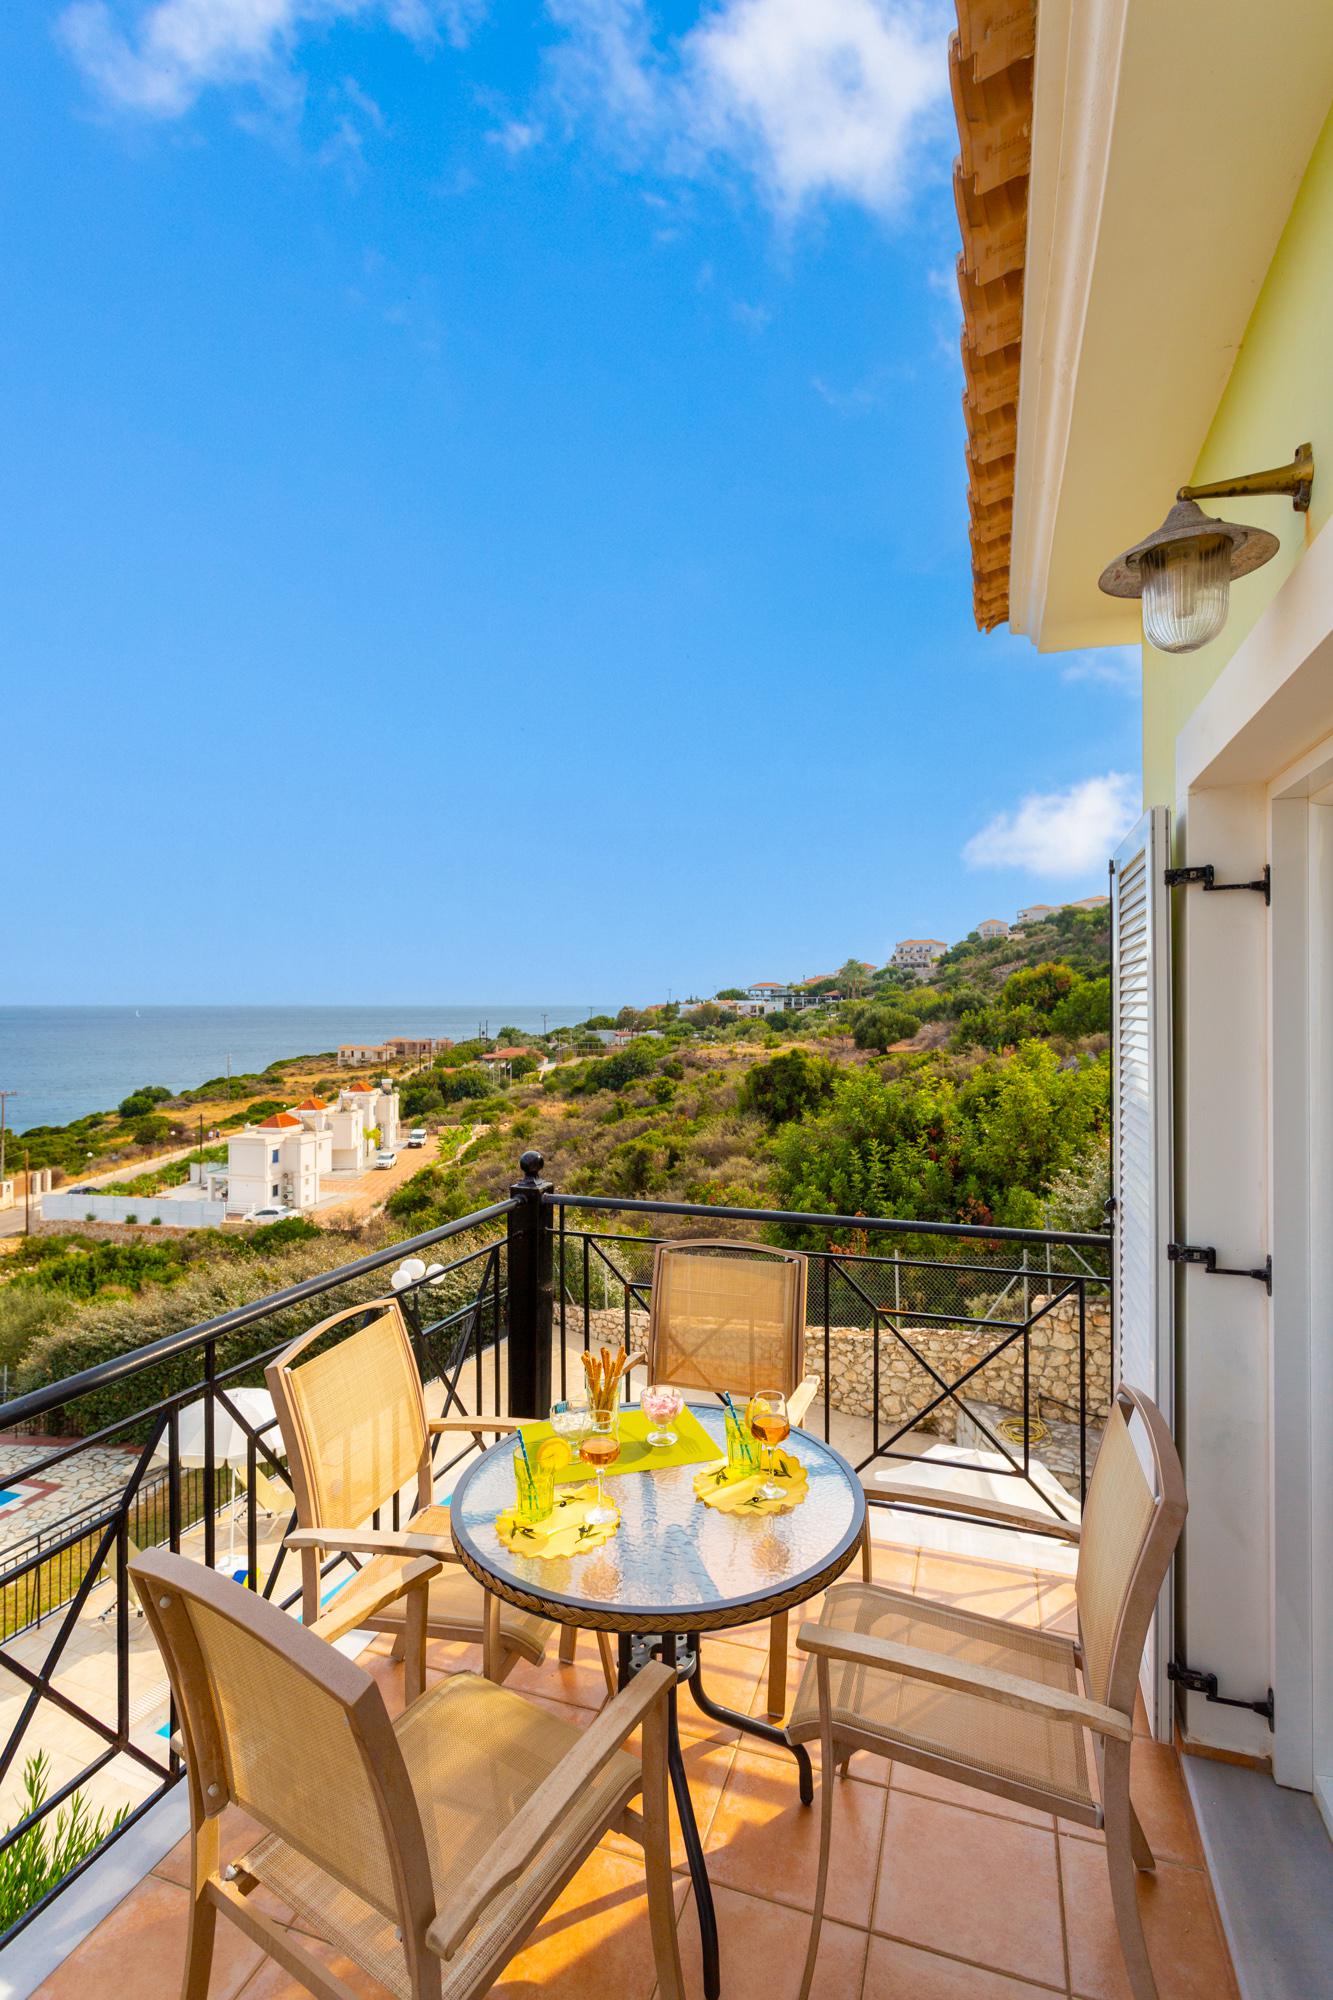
{"x":27,"y":1195}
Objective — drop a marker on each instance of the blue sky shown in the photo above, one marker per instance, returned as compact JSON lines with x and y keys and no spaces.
{"x":487,"y":508}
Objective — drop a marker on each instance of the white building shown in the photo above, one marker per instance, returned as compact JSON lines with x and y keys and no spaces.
{"x":918,"y":951}
{"x":276,"y":1162}
{"x":287,"y":1159}
{"x":992,"y":927}
{"x":1035,"y":913}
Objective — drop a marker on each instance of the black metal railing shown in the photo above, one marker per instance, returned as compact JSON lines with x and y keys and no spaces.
{"x":946,"y":1332}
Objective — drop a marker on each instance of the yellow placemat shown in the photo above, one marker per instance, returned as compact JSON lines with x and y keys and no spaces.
{"x":565,"y":1532}
{"x":740,"y":1496}
{"x":693,"y":1446}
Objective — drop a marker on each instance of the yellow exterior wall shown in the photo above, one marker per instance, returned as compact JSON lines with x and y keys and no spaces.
{"x":1279,"y":395}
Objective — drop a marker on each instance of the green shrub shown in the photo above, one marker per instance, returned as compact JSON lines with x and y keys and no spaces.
{"x":459,"y":1084}
{"x":33,"y":1864}
{"x":788,"y":1087}
{"x":140,"y":1102}
{"x":880,"y":1026}
{"x":151,"y":1131}
{"x":626,"y":1065}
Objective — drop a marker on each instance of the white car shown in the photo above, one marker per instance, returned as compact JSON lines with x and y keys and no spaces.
{"x":384,"y":1158}
{"x":417,"y":1136}
{"x":274,"y":1214}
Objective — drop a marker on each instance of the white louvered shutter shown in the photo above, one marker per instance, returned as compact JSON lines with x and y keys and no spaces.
{"x":1142,"y":1323}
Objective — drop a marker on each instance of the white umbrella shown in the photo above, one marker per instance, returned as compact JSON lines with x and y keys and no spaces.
{"x":231,"y":1441}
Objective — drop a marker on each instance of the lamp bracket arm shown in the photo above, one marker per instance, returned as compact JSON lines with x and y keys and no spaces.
{"x":1294,"y":481}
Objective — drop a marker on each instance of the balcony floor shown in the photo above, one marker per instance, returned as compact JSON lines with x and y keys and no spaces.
{"x":937,"y":1893}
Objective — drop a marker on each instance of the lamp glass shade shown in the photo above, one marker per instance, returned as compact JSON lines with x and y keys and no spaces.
{"x":1185,"y":590}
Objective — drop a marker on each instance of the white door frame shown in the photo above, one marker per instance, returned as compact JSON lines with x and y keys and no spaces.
{"x":1301,"y":1200}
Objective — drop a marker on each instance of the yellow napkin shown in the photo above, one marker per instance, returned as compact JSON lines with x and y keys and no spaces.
{"x":566,"y":1531}
{"x":740,"y":1496}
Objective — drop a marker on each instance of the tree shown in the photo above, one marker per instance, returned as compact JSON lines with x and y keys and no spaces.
{"x":636,"y":1059}
{"x":1040,"y":986}
{"x":1085,"y":1009}
{"x":140,"y":1102}
{"x":880,"y":1026}
{"x":594,"y":1021}
{"x":788,"y":1087}
{"x":459,"y":1084}
{"x":851,"y":978}
{"x":732,"y":993}
{"x":151,"y":1132}
{"x":521,"y":1066}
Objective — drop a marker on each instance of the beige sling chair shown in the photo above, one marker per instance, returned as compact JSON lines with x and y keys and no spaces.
{"x":998,"y":1706}
{"x":355,"y":1431}
{"x":727,"y":1315}
{"x":427,"y":1849}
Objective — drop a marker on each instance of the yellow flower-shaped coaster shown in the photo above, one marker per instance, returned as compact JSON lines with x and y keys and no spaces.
{"x":740,"y":1496}
{"x":566,"y":1531}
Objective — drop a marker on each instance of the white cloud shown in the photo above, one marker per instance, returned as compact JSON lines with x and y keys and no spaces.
{"x":157,"y":56}
{"x":818,"y":100}
{"x":1118,"y":667}
{"x":812,"y":101}
{"x":1059,"y":834}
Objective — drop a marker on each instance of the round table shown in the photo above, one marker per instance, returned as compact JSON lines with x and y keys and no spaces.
{"x":673,"y":1571}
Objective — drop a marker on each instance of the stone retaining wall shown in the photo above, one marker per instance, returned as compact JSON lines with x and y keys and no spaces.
{"x":905,"y":1386}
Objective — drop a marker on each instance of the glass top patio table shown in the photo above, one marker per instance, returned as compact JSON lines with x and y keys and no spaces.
{"x":672,"y":1562}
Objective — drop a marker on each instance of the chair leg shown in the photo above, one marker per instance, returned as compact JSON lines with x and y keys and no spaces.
{"x":657,"y":1855}
{"x":568,"y":1640}
{"x":492,"y":1664}
{"x":1138,"y":1842}
{"x":610,"y":1673}
{"x":1119,"y":1823}
{"x":777,"y":1664}
{"x":867,"y":1552}
{"x":203,"y":1912}
{"x":417,"y":1606}
{"x":827,"y":1758}
{"x":399,"y":1646}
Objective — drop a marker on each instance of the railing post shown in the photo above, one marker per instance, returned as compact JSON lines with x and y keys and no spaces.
{"x":530,"y":1287}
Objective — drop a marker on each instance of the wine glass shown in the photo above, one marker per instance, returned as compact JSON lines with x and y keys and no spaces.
{"x":661,"y":1404}
{"x":766,"y":1415}
{"x":600,"y":1447}
{"x":570,"y":1419}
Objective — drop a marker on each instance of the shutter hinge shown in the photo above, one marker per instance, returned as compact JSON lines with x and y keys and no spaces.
{"x":1195,"y":1682}
{"x":1204,"y":1254}
{"x":1184,"y":878}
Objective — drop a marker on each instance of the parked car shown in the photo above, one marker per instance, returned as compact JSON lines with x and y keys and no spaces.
{"x":417,"y":1136}
{"x":384,"y":1158}
{"x":275,"y":1213}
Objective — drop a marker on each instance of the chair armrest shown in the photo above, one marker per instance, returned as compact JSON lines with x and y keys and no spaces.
{"x":801,"y":1398}
{"x":1010,"y":1690}
{"x":437,"y":1426}
{"x":373,"y":1542}
{"x":339,"y":1619}
{"x":982,"y":1508}
{"x":525,"y":1836}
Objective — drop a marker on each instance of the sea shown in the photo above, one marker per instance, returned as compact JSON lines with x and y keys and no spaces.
{"x":62,"y":1062}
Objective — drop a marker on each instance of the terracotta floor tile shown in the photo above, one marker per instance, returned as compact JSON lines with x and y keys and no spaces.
{"x":140,"y":1949}
{"x":994,"y":1591}
{"x":707,"y":1766}
{"x":891,"y":1565}
{"x":1161,"y":1799}
{"x":594,"y":1940}
{"x":270,"y":1982}
{"x":1189,"y":1959}
{"x":581,"y":1683}
{"x":971,"y":1885}
{"x":926,"y":1785}
{"x":732,"y":1676}
{"x":761,"y":1950}
{"x":764,"y":1841}
{"x":1057,"y":1604}
{"x":902,"y":1972}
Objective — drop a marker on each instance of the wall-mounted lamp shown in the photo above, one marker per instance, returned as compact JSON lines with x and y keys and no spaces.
{"x":1184,"y":571}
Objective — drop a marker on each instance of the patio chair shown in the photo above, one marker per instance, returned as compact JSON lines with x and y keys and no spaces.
{"x":355,"y":1432}
{"x":997,"y":1705}
{"x":425,"y":1850}
{"x":727,"y":1315}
